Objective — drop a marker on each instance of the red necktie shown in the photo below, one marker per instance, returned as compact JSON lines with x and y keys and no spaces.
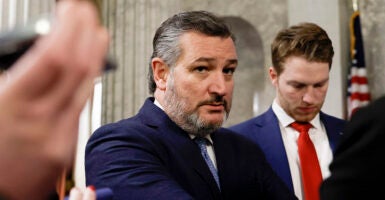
{"x":310,"y":169}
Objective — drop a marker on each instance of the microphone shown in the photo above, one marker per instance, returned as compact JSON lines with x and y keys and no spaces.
{"x":15,"y":42}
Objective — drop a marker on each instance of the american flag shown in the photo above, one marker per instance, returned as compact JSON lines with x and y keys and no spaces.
{"x":358,"y":94}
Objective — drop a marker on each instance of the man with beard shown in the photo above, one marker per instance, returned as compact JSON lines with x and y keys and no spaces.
{"x":175,"y":148}
{"x":302,"y":57}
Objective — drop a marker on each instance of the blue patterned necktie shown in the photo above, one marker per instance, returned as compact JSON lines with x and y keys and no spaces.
{"x":202,"y":142}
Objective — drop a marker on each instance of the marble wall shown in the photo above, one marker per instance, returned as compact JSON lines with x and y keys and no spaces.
{"x":373,"y":31}
{"x":132,"y":24}
{"x":18,"y":12}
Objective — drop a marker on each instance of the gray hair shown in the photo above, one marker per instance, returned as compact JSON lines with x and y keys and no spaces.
{"x":166,"y":39}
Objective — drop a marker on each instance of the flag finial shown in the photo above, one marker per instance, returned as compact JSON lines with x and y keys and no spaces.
{"x":355,"y":5}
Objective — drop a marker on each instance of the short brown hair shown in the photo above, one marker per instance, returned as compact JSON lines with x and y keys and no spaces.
{"x":306,"y":40}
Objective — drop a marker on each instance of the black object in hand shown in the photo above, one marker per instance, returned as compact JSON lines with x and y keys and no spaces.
{"x":14,"y":43}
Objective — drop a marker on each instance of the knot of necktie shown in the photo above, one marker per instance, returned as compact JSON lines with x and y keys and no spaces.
{"x":201,"y":141}
{"x":301,"y":126}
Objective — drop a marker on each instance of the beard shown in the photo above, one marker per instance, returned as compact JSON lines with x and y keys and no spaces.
{"x":177,"y":109}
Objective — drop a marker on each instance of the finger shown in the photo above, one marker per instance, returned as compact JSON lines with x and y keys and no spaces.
{"x":75,"y":194}
{"x":87,"y":51}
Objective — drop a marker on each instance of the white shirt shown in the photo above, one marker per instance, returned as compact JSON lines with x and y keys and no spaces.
{"x":210,"y":149}
{"x":289,"y":135}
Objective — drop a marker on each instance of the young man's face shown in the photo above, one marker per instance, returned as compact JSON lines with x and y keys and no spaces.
{"x":199,"y":88}
{"x":301,"y":87}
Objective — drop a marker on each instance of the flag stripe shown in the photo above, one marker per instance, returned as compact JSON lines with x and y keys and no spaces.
{"x":358,"y":87}
{"x":358,"y":94}
{"x":359,"y":80}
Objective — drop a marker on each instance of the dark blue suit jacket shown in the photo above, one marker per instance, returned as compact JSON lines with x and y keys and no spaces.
{"x":149,"y":157}
{"x":264,"y":130}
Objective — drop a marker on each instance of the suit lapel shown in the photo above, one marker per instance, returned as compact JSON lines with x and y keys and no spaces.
{"x":193,"y":155}
{"x":156,"y":118}
{"x":187,"y":148}
{"x":227,"y":162}
{"x":191,"y":152}
{"x":270,"y":141}
{"x":332,"y":130}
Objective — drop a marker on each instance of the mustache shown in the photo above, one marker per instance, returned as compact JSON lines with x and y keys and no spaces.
{"x":215,"y":99}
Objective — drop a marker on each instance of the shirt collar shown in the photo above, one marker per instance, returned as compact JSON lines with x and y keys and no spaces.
{"x":156,"y":102}
{"x":207,"y":137}
{"x":286,"y":120}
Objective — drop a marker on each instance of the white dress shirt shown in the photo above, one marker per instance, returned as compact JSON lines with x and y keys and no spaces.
{"x":289,"y":135}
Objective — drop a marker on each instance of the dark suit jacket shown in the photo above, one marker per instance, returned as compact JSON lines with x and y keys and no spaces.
{"x":358,"y":167}
{"x":264,"y":130}
{"x":149,"y":157}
